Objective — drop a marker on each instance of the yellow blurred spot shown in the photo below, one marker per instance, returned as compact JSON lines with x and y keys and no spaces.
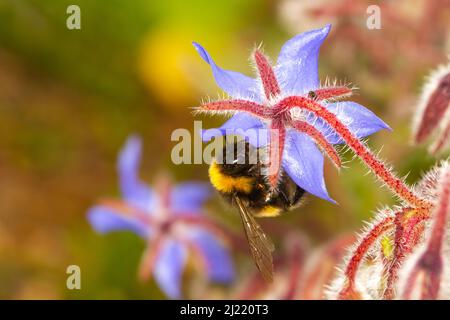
{"x":410,"y":214}
{"x":163,"y":64}
{"x":386,"y":246}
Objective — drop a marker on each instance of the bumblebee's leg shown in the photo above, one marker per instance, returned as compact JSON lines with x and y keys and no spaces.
{"x":299,"y":192}
{"x":285,"y":197}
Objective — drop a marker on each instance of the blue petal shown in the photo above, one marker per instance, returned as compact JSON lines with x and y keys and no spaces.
{"x":235,"y":84}
{"x":189,"y":197}
{"x":169,"y":268}
{"x":104,"y":220}
{"x":303,"y":162}
{"x":243,"y":124}
{"x":360,"y":120}
{"x":133,"y":189}
{"x":219,"y":265}
{"x":297,"y":66}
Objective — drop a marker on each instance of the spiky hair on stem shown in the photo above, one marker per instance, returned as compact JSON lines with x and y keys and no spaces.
{"x":432,"y":115}
{"x":376,"y":263}
{"x":425,"y":276}
{"x":360,"y":275}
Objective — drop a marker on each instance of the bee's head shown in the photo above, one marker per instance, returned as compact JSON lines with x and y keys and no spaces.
{"x":238,"y":159}
{"x":235,"y":169}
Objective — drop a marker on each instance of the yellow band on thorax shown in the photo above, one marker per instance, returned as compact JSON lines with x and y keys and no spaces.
{"x":228,"y":184}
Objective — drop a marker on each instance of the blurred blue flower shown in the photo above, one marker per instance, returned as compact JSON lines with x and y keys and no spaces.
{"x":272,"y":102}
{"x":170,"y":219}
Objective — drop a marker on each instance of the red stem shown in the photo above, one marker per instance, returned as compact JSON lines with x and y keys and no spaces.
{"x":235,"y":105}
{"x":377,"y":166}
{"x":268,"y":79}
{"x":442,"y":140}
{"x":441,"y":213}
{"x":332,"y":92}
{"x":352,"y":267}
{"x":398,"y":254}
{"x":319,"y":139}
{"x":276,"y":147}
{"x":430,"y":263}
{"x":410,"y":283}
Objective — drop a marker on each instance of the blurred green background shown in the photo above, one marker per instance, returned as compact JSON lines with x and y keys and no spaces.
{"x":69,"y":99}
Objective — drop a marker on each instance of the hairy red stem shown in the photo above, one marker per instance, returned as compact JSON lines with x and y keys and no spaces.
{"x":376,"y":165}
{"x":276,"y":148}
{"x":268,"y":79}
{"x":319,"y":139}
{"x":430,"y":262}
{"x":331,"y":92}
{"x":441,"y":213}
{"x":349,"y":291}
{"x":398,"y":254}
{"x":442,"y":140}
{"x":235,"y":105}
{"x":435,"y":109}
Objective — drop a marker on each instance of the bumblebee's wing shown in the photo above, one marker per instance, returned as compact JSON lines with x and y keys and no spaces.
{"x":261,"y":246}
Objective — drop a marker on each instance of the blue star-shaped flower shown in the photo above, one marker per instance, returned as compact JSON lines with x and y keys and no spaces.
{"x":169,"y":218}
{"x":288,"y":102}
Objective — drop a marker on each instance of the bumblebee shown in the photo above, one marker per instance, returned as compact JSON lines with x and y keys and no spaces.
{"x":240,"y":180}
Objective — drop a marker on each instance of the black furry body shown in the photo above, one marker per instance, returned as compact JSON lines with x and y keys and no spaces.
{"x":260,"y":200}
